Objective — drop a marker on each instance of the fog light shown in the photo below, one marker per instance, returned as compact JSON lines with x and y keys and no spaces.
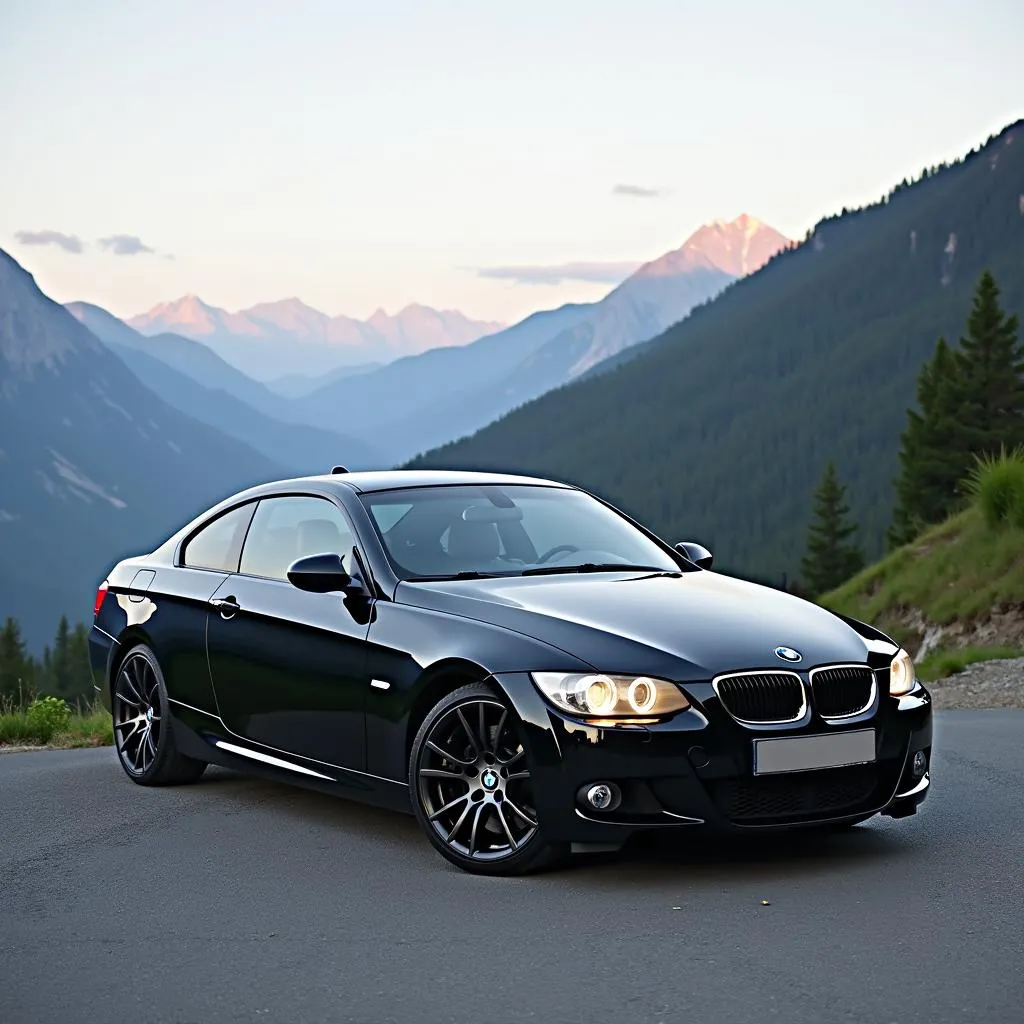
{"x":601,"y":796}
{"x":919,"y":765}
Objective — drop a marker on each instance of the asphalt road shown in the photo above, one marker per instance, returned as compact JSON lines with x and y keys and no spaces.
{"x":241,"y":900}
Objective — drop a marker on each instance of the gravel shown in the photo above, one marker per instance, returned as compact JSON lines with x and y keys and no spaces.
{"x":985,"y":684}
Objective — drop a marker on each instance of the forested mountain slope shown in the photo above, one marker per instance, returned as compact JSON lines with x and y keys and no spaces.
{"x":718,"y":430}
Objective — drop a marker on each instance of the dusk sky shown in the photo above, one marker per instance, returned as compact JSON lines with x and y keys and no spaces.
{"x":364,"y":155}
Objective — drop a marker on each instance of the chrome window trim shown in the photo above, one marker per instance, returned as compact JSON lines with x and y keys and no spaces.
{"x":872,"y":696}
{"x":763,"y":672}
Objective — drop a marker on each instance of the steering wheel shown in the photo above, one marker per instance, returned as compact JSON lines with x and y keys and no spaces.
{"x":555,"y":550}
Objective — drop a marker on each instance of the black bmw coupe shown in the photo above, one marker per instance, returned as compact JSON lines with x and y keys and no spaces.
{"x":526,"y":668}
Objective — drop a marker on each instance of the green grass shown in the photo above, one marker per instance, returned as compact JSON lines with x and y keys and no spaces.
{"x":996,"y":486}
{"x":942,"y":664}
{"x":957,"y":571}
{"x":89,"y":728}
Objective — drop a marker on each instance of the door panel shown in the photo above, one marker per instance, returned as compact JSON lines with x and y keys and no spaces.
{"x":289,"y":670}
{"x":289,"y":667}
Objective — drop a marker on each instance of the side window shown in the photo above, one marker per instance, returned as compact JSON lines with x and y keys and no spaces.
{"x":286,"y":529}
{"x":217,"y":545}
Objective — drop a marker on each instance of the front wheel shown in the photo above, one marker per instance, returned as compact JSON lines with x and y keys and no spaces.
{"x":142,"y":727}
{"x":471,"y":786}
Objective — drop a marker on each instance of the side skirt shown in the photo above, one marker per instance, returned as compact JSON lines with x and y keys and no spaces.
{"x":203,"y":735}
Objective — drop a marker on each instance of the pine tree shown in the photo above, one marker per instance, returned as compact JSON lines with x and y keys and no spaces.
{"x":61,"y":672}
{"x":832,"y":558}
{"x":81,"y":673}
{"x":971,"y":403}
{"x":931,"y":466}
{"x":990,"y":366}
{"x":15,"y":664}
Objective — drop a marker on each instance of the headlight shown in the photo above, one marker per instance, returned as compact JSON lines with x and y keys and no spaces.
{"x":604,"y":696}
{"x":901,"y":675}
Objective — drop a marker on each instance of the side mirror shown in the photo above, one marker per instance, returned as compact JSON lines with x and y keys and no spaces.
{"x":321,"y":574}
{"x":696,"y":553}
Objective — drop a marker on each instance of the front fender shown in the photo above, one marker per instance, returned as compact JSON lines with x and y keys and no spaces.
{"x":410,"y":648}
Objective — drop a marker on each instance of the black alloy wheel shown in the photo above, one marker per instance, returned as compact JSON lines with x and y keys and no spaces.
{"x":472,"y":789}
{"x":142,"y":732}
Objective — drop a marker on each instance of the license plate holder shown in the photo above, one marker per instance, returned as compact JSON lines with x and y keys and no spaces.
{"x":782,"y":754}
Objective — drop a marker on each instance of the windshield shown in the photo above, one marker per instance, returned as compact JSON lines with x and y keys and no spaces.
{"x":467,"y":531}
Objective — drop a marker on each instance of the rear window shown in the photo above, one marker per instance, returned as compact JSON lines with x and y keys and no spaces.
{"x":219,"y":544}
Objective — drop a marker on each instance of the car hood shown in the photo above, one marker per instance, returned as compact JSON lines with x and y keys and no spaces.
{"x":695,"y":625}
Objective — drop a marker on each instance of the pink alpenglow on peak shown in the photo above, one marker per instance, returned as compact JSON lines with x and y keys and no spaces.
{"x":737,"y":247}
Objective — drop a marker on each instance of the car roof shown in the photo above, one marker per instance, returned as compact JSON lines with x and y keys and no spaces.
{"x":393,"y":479}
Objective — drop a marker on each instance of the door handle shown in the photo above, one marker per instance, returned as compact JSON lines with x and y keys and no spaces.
{"x":227,"y":606}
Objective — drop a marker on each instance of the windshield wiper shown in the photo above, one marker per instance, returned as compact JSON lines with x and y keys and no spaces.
{"x":466,"y":574}
{"x":545,"y":570}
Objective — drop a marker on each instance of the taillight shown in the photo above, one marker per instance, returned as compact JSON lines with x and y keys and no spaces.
{"x":100,"y":594}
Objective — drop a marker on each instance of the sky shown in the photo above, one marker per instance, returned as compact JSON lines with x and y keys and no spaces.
{"x":364,"y":155}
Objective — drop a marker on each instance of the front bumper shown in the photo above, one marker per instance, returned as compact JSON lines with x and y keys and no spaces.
{"x":696,"y":770}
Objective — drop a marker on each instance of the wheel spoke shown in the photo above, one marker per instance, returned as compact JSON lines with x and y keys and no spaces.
{"x":447,"y":807}
{"x":440,"y":773}
{"x":150,"y":679}
{"x":139,"y":671}
{"x":504,"y":824}
{"x":135,"y":723}
{"x":444,"y":753}
{"x":529,"y":821}
{"x":469,"y":732}
{"x":458,"y":824}
{"x":512,"y":776}
{"x":473,"y":828}
{"x":128,"y":700}
{"x":139,"y":758}
{"x":126,"y":676}
{"x":521,"y":752}
{"x":498,"y":732}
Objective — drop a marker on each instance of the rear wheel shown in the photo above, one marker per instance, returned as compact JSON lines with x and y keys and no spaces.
{"x":142,"y":728}
{"x":471,"y":786}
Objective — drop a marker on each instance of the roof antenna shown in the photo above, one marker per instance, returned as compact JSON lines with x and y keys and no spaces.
{"x":338,"y":469}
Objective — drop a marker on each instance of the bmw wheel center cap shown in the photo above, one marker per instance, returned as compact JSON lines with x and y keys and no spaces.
{"x":489,"y":779}
{"x":788,"y":654}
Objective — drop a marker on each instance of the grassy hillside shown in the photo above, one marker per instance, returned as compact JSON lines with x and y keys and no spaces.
{"x":718,"y":431}
{"x":954,"y":573}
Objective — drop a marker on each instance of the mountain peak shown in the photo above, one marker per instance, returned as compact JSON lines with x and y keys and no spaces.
{"x":738,"y":247}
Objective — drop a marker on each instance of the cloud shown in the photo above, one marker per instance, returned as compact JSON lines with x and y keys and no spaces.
{"x":597,"y":273}
{"x":69,"y":243}
{"x":638,"y":191}
{"x":125,"y":245}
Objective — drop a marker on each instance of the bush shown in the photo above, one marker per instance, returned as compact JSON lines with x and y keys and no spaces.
{"x":996,"y":486}
{"x":48,"y":715}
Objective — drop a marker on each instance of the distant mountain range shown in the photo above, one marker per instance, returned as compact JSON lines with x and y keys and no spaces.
{"x":271,"y":339}
{"x":718,"y":430}
{"x":422,"y":400}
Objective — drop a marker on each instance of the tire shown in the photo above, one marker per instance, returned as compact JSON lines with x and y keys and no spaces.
{"x":471,"y":790}
{"x":140,"y":713}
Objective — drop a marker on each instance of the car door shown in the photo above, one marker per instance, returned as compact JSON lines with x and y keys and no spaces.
{"x":174,"y":606}
{"x":289,"y":666}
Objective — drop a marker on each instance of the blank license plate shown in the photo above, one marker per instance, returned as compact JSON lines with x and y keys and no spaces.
{"x":803,"y":753}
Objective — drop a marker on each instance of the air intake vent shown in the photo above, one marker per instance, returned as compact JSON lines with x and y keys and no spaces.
{"x":843,"y":690}
{"x":762,"y":698}
{"x":797,"y":796}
